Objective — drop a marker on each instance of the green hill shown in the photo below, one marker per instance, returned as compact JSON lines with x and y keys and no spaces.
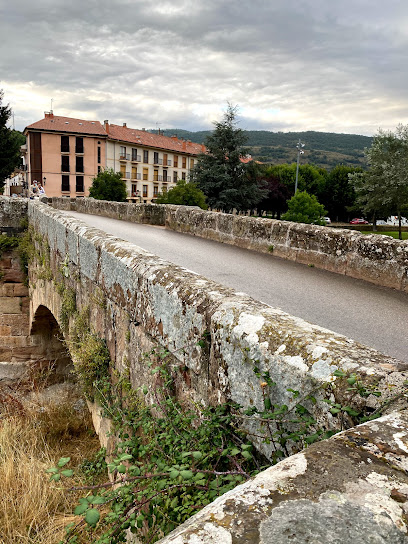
{"x":325,"y":149}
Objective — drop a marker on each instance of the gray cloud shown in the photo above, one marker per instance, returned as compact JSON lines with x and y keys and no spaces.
{"x":305,"y":65}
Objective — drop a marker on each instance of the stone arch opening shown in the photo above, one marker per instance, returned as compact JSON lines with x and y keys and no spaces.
{"x":47,"y":335}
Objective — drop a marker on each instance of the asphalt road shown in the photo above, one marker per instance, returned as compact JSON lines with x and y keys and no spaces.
{"x":372,"y":315}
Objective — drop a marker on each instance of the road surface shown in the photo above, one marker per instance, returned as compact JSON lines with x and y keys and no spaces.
{"x":372,"y":315}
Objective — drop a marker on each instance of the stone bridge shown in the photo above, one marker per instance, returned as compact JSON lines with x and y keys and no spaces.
{"x":353,"y":487}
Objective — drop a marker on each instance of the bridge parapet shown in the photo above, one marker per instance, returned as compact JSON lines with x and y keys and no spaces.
{"x":378,"y":259}
{"x":220,"y":341}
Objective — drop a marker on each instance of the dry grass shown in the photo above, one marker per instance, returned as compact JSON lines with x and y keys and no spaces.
{"x":32,"y":510}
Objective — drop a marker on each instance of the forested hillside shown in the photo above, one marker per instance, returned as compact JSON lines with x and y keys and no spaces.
{"x":325,"y":149}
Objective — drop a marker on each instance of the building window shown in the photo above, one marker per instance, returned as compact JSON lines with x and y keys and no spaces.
{"x":99,"y":169}
{"x":134,"y":172}
{"x":155,"y":158}
{"x":64,"y":144}
{"x":134,"y":189}
{"x":134,"y":155}
{"x":155,"y":175}
{"x":65,"y":163}
{"x":191,"y":164}
{"x":122,"y":152}
{"x":79,"y":145}
{"x":79,"y":166}
{"x":165,"y":178}
{"x":123,"y":170}
{"x":65,"y":184}
{"x":164,"y":189}
{"x":155,"y":190}
{"x":99,"y":155}
{"x":79,"y":184}
{"x":165,"y":159}
{"x":183,"y":162}
{"x":145,"y":190}
{"x":176,"y":161}
{"x":145,"y":174}
{"x":174,"y":177}
{"x":145,"y":156}
{"x":183,"y":175}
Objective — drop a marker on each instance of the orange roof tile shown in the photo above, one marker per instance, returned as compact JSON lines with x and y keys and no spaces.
{"x":143,"y":138}
{"x":56,"y":123}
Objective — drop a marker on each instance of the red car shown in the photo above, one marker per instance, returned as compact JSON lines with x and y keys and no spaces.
{"x":358,"y":221}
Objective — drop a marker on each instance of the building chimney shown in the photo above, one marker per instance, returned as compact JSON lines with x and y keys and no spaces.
{"x":106,"y":125}
{"x":49,"y":114}
{"x":174,"y":137}
{"x":124,"y":124}
{"x":144,"y":130}
{"x":184,"y":145}
{"x":203,"y":148}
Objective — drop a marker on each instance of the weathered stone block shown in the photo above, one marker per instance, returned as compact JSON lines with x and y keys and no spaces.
{"x":9,"y":305}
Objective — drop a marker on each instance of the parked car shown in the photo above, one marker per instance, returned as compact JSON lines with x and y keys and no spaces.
{"x":358,"y":221}
{"x":327,"y":220}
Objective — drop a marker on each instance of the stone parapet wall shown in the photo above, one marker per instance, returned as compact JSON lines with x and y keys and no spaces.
{"x":352,"y":488}
{"x":378,"y":259}
{"x":13,"y":212}
{"x":148,"y":302}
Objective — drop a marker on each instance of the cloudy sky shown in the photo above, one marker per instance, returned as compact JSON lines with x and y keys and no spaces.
{"x":327,"y":65}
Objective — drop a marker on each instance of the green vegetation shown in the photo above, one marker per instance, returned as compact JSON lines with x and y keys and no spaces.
{"x":108,"y":185}
{"x":304,"y":208}
{"x":220,"y":173}
{"x":183,"y":194}
{"x":324,"y":149}
{"x":383,"y":189}
{"x":10,"y":143}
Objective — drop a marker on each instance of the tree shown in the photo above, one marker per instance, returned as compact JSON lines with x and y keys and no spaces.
{"x":277,"y":195}
{"x":384,"y":187}
{"x":108,"y":185}
{"x":221,"y":174}
{"x":10,"y":142}
{"x":305,"y":208}
{"x":183,"y":194}
{"x":339,"y":196}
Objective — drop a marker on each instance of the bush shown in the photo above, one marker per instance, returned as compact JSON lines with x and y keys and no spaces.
{"x":108,"y":185}
{"x":305,"y":208}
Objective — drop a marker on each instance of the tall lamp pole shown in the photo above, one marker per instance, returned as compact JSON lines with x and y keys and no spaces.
{"x":300,"y":151}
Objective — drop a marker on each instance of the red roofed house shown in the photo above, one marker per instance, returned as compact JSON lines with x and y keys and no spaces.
{"x":150,"y":163}
{"x":65,"y":154}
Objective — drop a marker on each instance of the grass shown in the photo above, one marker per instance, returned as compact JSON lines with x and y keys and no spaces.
{"x":32,"y":510}
{"x":392,"y":233}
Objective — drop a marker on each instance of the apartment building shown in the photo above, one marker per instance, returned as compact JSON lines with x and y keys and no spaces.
{"x":65,"y":154}
{"x":149,"y":163}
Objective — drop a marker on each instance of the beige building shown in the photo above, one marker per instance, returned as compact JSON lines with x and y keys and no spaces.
{"x":149,"y":163}
{"x":64,"y":154}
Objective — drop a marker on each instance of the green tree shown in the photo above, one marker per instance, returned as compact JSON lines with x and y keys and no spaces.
{"x":184,"y":194}
{"x":384,"y":187}
{"x":221,"y":174}
{"x":10,"y":142}
{"x":108,"y":185}
{"x":304,"y":208}
{"x":339,"y":196}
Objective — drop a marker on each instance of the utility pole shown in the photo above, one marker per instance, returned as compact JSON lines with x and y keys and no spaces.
{"x":300,"y":151}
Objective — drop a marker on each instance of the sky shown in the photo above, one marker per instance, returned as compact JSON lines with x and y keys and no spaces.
{"x":325,"y":65}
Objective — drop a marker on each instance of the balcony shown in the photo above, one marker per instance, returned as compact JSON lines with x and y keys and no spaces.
{"x":136,"y":158}
{"x":136,"y":176}
{"x":158,"y":178}
{"x":125,"y":175}
{"x":124,"y":157}
{"x":167,"y":163}
{"x":157,"y":161}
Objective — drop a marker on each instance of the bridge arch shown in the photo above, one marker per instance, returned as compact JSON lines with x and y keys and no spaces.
{"x":47,"y":334}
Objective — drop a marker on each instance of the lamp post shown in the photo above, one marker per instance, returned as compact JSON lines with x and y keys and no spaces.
{"x":300,"y":151}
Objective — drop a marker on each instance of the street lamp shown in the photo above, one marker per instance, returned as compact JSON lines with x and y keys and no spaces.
{"x":300,"y":151}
